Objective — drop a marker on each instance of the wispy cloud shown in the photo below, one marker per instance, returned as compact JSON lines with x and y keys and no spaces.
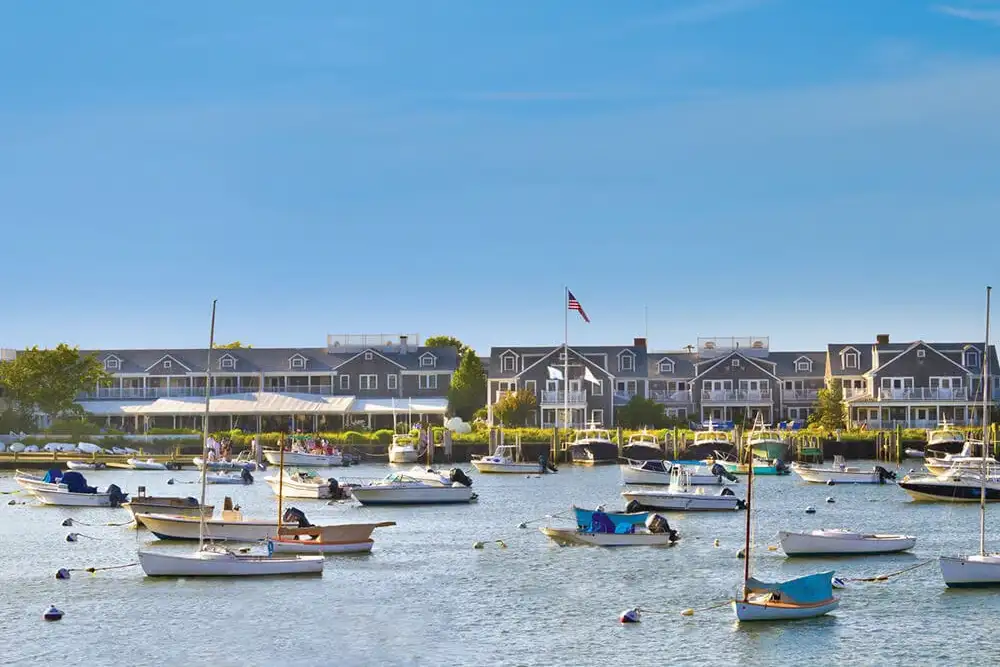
{"x":990,"y":16}
{"x":702,"y":11}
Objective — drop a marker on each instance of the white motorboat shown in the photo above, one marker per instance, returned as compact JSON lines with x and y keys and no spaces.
{"x":658,"y":473}
{"x":836,"y":542}
{"x":305,"y":484}
{"x":403,"y":489}
{"x":243,"y":477}
{"x":502,"y":461}
{"x":305,"y":459}
{"x":213,"y":561}
{"x":85,"y":465}
{"x":601,"y":529}
{"x":803,"y":597}
{"x":148,"y":464}
{"x":28,"y":480}
{"x":982,"y":569}
{"x":913,"y":453}
{"x":970,"y":458}
{"x":958,"y":485}
{"x":841,"y":473}
{"x":69,"y":490}
{"x":237,"y":465}
{"x":210,"y":560}
{"x":403,"y":449}
{"x":682,"y":496}
{"x":61,"y":496}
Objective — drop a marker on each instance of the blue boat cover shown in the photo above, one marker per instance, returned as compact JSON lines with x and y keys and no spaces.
{"x":76,"y":483}
{"x":53,"y":476}
{"x":584,"y":518}
{"x":601,"y":523}
{"x":809,"y":589}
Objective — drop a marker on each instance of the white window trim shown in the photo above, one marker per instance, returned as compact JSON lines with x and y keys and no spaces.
{"x":848,"y":356}
{"x":532,"y":386}
{"x":735,"y":363}
{"x":666,"y":367}
{"x":369,"y":356}
{"x":428,"y":360}
{"x":626,"y":362}
{"x":167,"y":364}
{"x":370,"y":379}
{"x":503,"y":363}
{"x":597,"y":416}
{"x":971,"y":358}
{"x":552,"y":385}
{"x":427,"y":382}
{"x":921,"y":354}
{"x":803,"y":366}
{"x":345,"y":381}
{"x":392,"y":381}
{"x":112,"y":364}
{"x":227,"y":362}
{"x":597,"y":389}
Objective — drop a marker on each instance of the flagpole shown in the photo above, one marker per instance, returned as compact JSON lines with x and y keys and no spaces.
{"x":566,"y":357}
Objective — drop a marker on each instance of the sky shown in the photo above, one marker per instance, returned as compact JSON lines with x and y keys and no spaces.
{"x":810,"y":170}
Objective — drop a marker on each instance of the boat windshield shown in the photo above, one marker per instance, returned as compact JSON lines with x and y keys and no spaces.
{"x":711,"y":436}
{"x":938,"y":437}
{"x":765,"y":436}
{"x":594,"y":434}
{"x":643,"y":439}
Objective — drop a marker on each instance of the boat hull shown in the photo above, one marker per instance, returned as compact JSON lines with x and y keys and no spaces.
{"x":68,"y":499}
{"x":287,"y":546}
{"x":776,"y":611}
{"x":826,"y":475}
{"x":225,"y":465}
{"x":683,"y":502}
{"x":417,"y":495}
{"x":140,"y":506}
{"x":808,"y":544}
{"x":970,"y":571}
{"x":293,"y":489}
{"x":405,"y":455}
{"x":642,"y":452}
{"x":932,"y":490}
{"x":506,"y":467}
{"x":156,"y":564}
{"x":593,"y":453}
{"x":138,"y":464}
{"x":575,"y":537}
{"x":167,"y":527}
{"x":632,"y":475}
{"x":301,"y":460}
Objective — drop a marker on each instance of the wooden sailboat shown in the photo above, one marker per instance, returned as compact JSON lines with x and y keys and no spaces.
{"x":210,"y":560}
{"x":982,"y":569}
{"x":803,"y":597}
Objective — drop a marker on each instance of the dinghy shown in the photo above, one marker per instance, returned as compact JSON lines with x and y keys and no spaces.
{"x":682,"y":496}
{"x":148,"y":464}
{"x":140,"y":503}
{"x":841,"y":473}
{"x":84,"y":465}
{"x":605,"y":532}
{"x":304,"y":537}
{"x":243,"y":477}
{"x":836,"y":542}
{"x":70,"y":489}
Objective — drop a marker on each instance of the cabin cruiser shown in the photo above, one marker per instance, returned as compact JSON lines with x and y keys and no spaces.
{"x":945,"y":439}
{"x":767,"y":444}
{"x":403,"y":449}
{"x":710,"y":441}
{"x":683,"y":496}
{"x":970,"y":458}
{"x":956,"y":485}
{"x":642,"y":447}
{"x":841,"y":473}
{"x":658,"y":472}
{"x":593,"y":446}
{"x":417,"y":488}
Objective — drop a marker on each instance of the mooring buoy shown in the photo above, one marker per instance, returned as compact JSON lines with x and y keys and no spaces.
{"x":52,"y":614}
{"x":630,"y":616}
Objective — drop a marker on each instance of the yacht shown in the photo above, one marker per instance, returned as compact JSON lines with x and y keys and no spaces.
{"x":593,"y":446}
{"x":642,"y":447}
{"x":970,"y":458}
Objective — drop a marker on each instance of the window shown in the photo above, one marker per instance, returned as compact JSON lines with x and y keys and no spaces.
{"x":597,"y":416}
{"x":166,"y":364}
{"x":803,"y":366}
{"x":508,"y":363}
{"x":345,"y":381}
{"x":736,"y":363}
{"x":367,"y":382}
{"x":921,"y":354}
{"x":112,"y":363}
{"x":531,"y":385}
{"x":227,"y":362}
{"x":971,"y":358}
{"x":597,"y":389}
{"x":427,"y":361}
{"x":552,"y":385}
{"x":298,"y":362}
{"x":851,"y":360}
{"x":626,"y":362}
{"x":369,"y":356}
{"x":391,"y":381}
{"x":428,"y":382}
{"x":666,"y":367}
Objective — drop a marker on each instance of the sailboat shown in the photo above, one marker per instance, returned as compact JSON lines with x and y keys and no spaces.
{"x":216,"y":561}
{"x":982,"y":569}
{"x":803,"y":597}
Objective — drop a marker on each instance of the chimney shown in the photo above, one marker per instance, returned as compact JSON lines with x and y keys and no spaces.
{"x":882,"y":339}
{"x":403,"y":344}
{"x":639,"y":342}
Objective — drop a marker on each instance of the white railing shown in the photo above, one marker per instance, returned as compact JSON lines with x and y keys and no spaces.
{"x":661,"y":396}
{"x":139,"y":393}
{"x":912,"y":423}
{"x":624,"y":396}
{"x":735,"y":395}
{"x":924,"y":394}
{"x":856,"y":392}
{"x":560,"y":397}
{"x":800,"y":394}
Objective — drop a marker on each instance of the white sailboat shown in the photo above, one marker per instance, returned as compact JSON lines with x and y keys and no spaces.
{"x":210,"y":560}
{"x":982,"y":569}
{"x":838,"y":542}
{"x":803,"y":597}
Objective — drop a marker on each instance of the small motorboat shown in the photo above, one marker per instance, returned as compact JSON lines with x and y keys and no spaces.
{"x":304,"y":459}
{"x":642,"y":447}
{"x":841,"y":473}
{"x":944,"y":440}
{"x":764,"y":443}
{"x":231,"y":526}
{"x":403,"y":449}
{"x":803,"y":597}
{"x":593,"y":446}
{"x":603,"y":531}
{"x":836,"y":542}
{"x":85,"y":465}
{"x":216,"y":561}
{"x":658,"y":472}
{"x":224,"y":465}
{"x":682,"y":496}
{"x":70,"y":489}
{"x":304,"y":537}
{"x":148,"y":464}
{"x":760,"y":466}
{"x":243,"y":477}
{"x":307,"y":484}
{"x":502,"y":461}
{"x":404,"y":489}
{"x":632,"y":515}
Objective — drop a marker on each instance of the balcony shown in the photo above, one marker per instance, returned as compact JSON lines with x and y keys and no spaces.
{"x":622,"y":397}
{"x":147,"y":393}
{"x":682,"y":397}
{"x":563,"y":397}
{"x":856,"y":393}
{"x":924,"y":394}
{"x":801,"y":394}
{"x":740,"y":396}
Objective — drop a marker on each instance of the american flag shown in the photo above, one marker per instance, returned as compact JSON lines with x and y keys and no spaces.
{"x":575,"y":305}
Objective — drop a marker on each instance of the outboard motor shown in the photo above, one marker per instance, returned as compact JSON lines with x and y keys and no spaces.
{"x":246,"y":476}
{"x":633,"y":507}
{"x":656,"y":523}
{"x":884,"y":474}
{"x":116,"y":496}
{"x":544,"y":466}
{"x":294,"y":514}
{"x":335,"y":491}
{"x":458,"y":475}
{"x":781,"y":467}
{"x":719,"y":470}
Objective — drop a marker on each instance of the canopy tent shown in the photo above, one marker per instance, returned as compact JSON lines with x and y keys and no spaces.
{"x":401,"y":406}
{"x":231,"y":404}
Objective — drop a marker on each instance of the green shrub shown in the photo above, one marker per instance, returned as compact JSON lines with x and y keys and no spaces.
{"x":382,"y":436}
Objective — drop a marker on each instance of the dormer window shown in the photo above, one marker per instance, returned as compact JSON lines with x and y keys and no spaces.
{"x":666,"y":366}
{"x":971,"y":358}
{"x":428,"y":360}
{"x":803,"y":366}
{"x":112,"y":363}
{"x":369,"y":356}
{"x":508,"y":362}
{"x":298,"y":362}
{"x":627,"y":362}
{"x":227,"y":362}
{"x":851,"y":360}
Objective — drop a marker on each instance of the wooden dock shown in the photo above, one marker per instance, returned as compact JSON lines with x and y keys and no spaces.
{"x":44,"y":460}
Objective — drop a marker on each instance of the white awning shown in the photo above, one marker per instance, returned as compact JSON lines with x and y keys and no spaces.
{"x":230,"y":404}
{"x":386,"y":406}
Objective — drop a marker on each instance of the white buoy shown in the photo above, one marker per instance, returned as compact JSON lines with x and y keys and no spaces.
{"x":829,"y":500}
{"x":630,"y":616}
{"x":810,"y":510}
{"x":52,"y":614}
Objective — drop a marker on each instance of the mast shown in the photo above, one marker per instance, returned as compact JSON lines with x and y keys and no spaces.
{"x":746,"y":546}
{"x":281,"y":481}
{"x":204,"y":434}
{"x":986,"y":430}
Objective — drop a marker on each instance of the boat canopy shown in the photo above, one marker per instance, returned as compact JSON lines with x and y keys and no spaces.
{"x":810,"y":589}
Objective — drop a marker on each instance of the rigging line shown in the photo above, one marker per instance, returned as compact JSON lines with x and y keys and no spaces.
{"x":885,"y":577}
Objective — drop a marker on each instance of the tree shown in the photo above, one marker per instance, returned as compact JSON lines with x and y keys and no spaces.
{"x":514,"y":407}
{"x":447,"y":341}
{"x":49,"y":380}
{"x":467,"y":392}
{"x":828,"y":412}
{"x":641,"y":412}
{"x":235,"y":345}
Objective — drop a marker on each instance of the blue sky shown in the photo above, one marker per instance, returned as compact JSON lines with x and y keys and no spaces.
{"x":815,"y":171}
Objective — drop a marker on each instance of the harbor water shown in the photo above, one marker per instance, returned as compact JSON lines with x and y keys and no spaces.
{"x":425,"y":596}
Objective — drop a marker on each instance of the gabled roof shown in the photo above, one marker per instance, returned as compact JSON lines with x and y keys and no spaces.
{"x":785,"y":364}
{"x":570,"y":350}
{"x":374,"y":353}
{"x":538,"y":353}
{"x":836,"y":359}
{"x":910,"y":348}
{"x":170,"y":358}
{"x":684,"y":365}
{"x":736,"y":353}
